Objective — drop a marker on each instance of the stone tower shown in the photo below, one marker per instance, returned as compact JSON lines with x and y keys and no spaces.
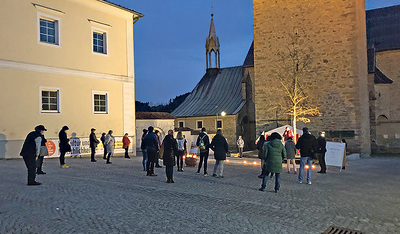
{"x":336,"y":33}
{"x":212,"y":46}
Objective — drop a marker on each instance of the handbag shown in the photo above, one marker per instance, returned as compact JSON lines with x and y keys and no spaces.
{"x":43,"y":151}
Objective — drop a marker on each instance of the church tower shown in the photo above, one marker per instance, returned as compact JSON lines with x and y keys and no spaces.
{"x":336,"y":81}
{"x":212,"y":46}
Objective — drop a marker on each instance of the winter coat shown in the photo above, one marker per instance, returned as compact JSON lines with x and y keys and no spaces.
{"x":274,"y":153}
{"x":109,"y":142}
{"x":64,"y":145}
{"x":29,"y":148}
{"x":151,"y":142}
{"x":290,"y":147}
{"x":219,"y":146}
{"x":93,"y":140}
{"x":170,"y":149}
{"x":240,"y":143}
{"x":142,"y":145}
{"x":181,"y":144}
{"x":307,"y":145}
{"x":321,"y":145}
{"x":206,"y":140}
{"x":260,"y":145}
{"x":126,"y":142}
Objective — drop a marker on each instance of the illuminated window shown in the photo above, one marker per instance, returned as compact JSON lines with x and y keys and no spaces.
{"x":49,"y":31}
{"x":99,"y":42}
{"x":50,"y":100}
{"x":199,"y":124}
{"x":100,"y":103}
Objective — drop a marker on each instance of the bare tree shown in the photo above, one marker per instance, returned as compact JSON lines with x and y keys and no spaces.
{"x":293,"y":69}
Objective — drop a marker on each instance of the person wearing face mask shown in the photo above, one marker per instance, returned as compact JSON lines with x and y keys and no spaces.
{"x":31,"y":150}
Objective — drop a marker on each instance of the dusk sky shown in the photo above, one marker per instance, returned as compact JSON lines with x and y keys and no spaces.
{"x":170,"y":41}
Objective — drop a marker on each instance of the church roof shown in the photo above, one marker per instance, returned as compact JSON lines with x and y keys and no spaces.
{"x":154,"y":115}
{"x":380,"y":78}
{"x":212,"y":41}
{"x":383,"y":28}
{"x":249,"y":61}
{"x":219,"y":90}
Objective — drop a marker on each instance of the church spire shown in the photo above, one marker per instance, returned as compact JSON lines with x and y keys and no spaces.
{"x":212,"y":45}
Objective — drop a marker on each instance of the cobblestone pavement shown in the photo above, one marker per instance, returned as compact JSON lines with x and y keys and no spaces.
{"x":119,"y":198}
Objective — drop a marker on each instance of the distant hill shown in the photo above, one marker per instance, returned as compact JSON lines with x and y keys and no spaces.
{"x":169,"y":107}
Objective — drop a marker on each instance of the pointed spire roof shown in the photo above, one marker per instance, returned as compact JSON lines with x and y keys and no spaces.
{"x":212,"y":41}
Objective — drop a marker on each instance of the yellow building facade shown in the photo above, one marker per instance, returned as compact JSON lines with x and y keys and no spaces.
{"x":68,"y":63}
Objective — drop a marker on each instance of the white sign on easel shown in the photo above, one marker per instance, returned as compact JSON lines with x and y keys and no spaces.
{"x":335,"y":153}
{"x":193,"y":148}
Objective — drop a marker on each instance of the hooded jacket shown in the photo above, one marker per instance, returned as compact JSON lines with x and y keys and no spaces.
{"x":170,"y":149}
{"x":274,"y":153}
{"x":307,"y":145}
{"x":219,"y":146}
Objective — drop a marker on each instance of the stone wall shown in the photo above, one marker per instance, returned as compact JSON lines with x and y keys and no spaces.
{"x":387,"y":105}
{"x":209,"y":122}
{"x":335,"y":33}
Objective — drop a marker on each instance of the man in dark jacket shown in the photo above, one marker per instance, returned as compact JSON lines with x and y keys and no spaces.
{"x":93,"y":144}
{"x":170,"y":149}
{"x":203,"y":142}
{"x":220,"y":148}
{"x":307,"y":145}
{"x":31,"y":150}
{"x":151,"y":144}
{"x":321,"y":150}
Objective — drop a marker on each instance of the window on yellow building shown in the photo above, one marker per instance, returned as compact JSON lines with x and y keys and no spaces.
{"x":181,"y":124}
{"x":219,"y":124}
{"x":100,"y":103}
{"x":99,"y":42}
{"x":50,"y":100}
{"x":199,"y":124}
{"x":49,"y":31}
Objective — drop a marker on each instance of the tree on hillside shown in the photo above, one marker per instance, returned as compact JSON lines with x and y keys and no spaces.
{"x":292,"y":71}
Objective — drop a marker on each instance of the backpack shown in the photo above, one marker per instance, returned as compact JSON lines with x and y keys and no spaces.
{"x":181,"y":144}
{"x":202,"y":145}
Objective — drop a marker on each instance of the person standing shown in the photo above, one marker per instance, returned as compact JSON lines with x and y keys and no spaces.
{"x":307,"y":145}
{"x":126,"y":142}
{"x":103,"y":139}
{"x":159,"y":146}
{"x":30,"y":150}
{"x":151,"y":144}
{"x":287,"y":133}
{"x":321,"y":150}
{"x":260,"y":145}
{"x":144,"y":150}
{"x":181,"y":150}
{"x":240,"y":144}
{"x":220,"y":148}
{"x":170,"y":149}
{"x":274,"y":153}
{"x":203,"y":142}
{"x":43,"y":152}
{"x":290,"y":147}
{"x":64,"y":145}
{"x":93,"y":144}
{"x":109,"y":141}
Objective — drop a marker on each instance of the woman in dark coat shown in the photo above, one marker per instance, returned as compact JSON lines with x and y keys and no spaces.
{"x":64,"y":145}
{"x":260,"y":145}
{"x":170,"y":149}
{"x":220,"y":148}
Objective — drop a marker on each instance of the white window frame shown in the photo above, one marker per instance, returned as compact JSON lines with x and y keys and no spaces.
{"x":197,"y":121}
{"x":57,"y":28}
{"x":99,"y":92}
{"x":44,"y":88}
{"x":216,"y":124}
{"x":107,"y":35}
{"x":183,"y":124}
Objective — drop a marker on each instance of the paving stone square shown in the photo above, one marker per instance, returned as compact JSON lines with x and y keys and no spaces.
{"x":119,"y":198}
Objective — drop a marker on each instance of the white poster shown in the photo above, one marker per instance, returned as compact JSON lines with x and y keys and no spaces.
{"x":75,"y":143}
{"x":334,"y":154}
{"x":193,"y":148}
{"x":52,"y":147}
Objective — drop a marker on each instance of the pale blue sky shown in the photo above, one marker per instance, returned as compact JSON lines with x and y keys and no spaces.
{"x":170,"y":41}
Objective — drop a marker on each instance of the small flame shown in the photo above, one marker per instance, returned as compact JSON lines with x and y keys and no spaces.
{"x":244,"y":162}
{"x":255,"y":163}
{"x":307,"y":167}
